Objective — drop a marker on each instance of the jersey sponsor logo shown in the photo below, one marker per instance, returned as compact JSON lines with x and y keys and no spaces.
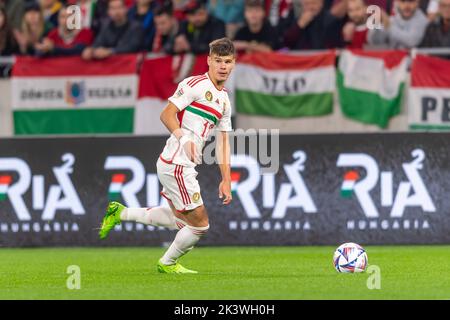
{"x":208,"y":96}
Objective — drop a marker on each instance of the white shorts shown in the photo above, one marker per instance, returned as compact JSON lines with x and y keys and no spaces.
{"x":180,"y":185}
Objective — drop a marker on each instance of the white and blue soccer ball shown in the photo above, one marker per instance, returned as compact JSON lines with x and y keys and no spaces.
{"x":350,"y":258}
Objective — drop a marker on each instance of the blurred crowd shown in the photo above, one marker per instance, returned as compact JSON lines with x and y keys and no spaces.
{"x":108,"y":27}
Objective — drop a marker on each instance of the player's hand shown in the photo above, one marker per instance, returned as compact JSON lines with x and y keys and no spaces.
{"x":190,"y":150}
{"x":225,"y":191}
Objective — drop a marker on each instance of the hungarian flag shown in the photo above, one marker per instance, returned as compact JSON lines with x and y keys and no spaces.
{"x":68,"y":95}
{"x":159,"y":79}
{"x":429,"y":93}
{"x":371,"y":84}
{"x":285,"y":86}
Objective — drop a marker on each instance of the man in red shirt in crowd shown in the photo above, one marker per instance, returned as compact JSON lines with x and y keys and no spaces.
{"x":63,"y":40}
{"x":355,"y":31}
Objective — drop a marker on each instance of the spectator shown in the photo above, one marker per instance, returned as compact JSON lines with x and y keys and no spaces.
{"x":64,"y":41}
{"x":404,"y":30}
{"x":315,"y":29}
{"x":257,"y":35}
{"x":50,"y":10}
{"x":119,"y":36}
{"x":166,"y":30}
{"x":142,"y":12}
{"x":229,"y":11}
{"x":34,"y":29}
{"x":14,"y":11}
{"x":8,"y":46}
{"x":199,"y":30}
{"x":354,"y":32}
{"x":438,"y":31}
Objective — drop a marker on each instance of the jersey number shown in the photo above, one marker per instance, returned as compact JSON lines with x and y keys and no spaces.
{"x":206,"y":128}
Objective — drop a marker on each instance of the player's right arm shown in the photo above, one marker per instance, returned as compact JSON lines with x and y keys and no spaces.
{"x":182,"y":97}
{"x":169,"y":118}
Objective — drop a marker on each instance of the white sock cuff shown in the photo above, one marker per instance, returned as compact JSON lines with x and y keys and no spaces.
{"x":200,"y":231}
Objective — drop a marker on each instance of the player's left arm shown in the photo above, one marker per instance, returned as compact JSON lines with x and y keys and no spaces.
{"x":223,"y":159}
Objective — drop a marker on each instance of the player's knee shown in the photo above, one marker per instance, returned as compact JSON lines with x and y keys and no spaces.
{"x":200,"y":231}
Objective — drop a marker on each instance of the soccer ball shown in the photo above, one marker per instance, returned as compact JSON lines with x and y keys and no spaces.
{"x":350,"y":258}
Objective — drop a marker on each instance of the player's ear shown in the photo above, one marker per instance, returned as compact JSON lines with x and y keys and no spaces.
{"x":208,"y":60}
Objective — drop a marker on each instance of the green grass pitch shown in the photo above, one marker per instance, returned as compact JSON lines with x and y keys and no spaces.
{"x":407,"y":272}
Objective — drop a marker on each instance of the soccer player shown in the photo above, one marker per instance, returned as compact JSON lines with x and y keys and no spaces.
{"x":199,"y":105}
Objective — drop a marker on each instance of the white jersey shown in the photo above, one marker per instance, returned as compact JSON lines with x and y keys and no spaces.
{"x":202,"y":108}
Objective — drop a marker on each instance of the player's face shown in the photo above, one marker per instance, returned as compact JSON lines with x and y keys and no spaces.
{"x":220,"y":66}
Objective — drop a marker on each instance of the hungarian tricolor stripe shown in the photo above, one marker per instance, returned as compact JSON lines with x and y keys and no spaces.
{"x":5,"y":181}
{"x":282,"y":85}
{"x":348,"y":185}
{"x":204,"y":112}
{"x":67,"y":95}
{"x":370,"y":84}
{"x":115,"y":188}
{"x":429,"y":93}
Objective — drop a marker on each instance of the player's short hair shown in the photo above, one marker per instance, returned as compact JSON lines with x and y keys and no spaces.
{"x":222,"y":47}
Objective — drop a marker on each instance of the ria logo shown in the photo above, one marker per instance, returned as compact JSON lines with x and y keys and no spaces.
{"x":294,"y":194}
{"x":287,"y":195}
{"x":62,"y":196}
{"x":411,"y":193}
{"x":139,"y":179}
